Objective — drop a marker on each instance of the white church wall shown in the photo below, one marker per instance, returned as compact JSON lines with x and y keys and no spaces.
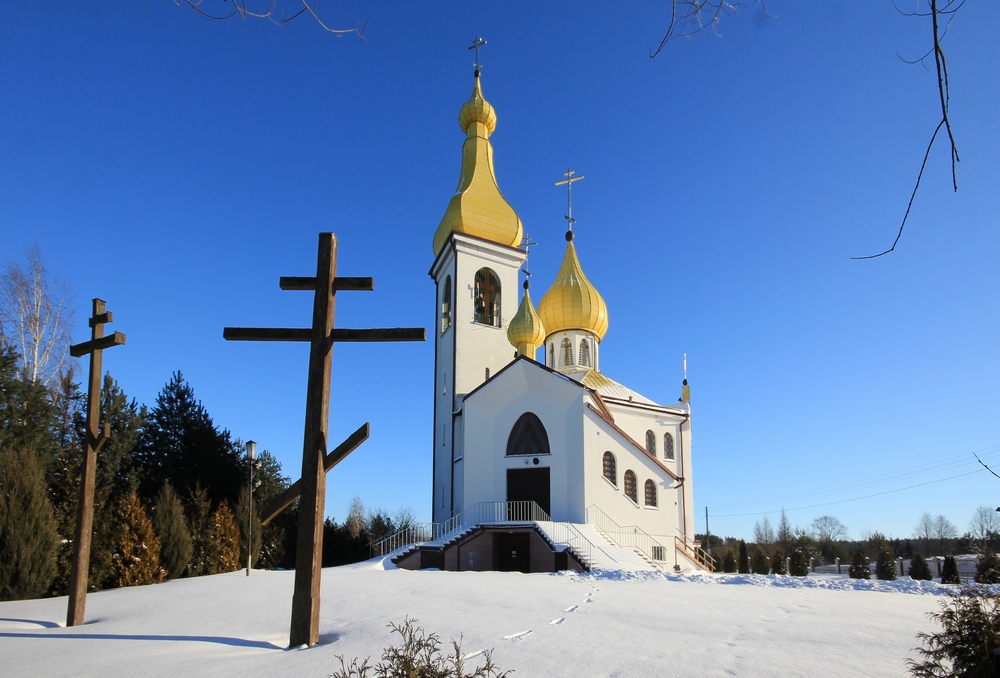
{"x":662,"y":521}
{"x":491,"y":413}
{"x":444,"y":387}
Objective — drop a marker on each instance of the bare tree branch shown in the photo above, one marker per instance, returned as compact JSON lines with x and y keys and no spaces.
{"x":949,"y":10}
{"x":247,"y":9}
{"x":694,"y":17}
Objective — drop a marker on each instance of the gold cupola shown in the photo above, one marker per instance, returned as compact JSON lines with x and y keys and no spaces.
{"x":573,"y":303}
{"x":478,"y":208}
{"x":526,"y":332}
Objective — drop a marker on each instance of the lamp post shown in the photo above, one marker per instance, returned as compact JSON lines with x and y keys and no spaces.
{"x":252,"y":454}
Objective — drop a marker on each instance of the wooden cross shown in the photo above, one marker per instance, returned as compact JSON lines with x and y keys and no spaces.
{"x":311,"y":488}
{"x":92,"y":444}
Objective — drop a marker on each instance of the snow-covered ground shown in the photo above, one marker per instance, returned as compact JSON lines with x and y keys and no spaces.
{"x":604,"y":623}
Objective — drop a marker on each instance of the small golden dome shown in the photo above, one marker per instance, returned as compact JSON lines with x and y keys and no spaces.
{"x":526,"y":332}
{"x":478,"y":208}
{"x":572,"y":303}
{"x":477,"y":109}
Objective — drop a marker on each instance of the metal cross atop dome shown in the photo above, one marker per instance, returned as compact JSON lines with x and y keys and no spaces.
{"x":476,"y":44}
{"x":568,"y":182}
{"x":526,"y":242}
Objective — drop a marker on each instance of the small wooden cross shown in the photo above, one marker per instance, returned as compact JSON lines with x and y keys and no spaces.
{"x":92,"y":444}
{"x":311,"y":488}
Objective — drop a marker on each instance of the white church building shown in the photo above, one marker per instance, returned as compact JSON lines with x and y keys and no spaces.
{"x":522,"y":412}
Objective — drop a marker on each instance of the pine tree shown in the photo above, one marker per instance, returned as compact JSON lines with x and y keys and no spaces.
{"x":175,"y":539}
{"x":136,"y":560}
{"x":919,"y":570}
{"x":988,"y":567}
{"x":860,"y":567}
{"x":27,"y":526}
{"x":784,"y":535}
{"x":246,"y":510}
{"x":729,"y":561}
{"x":227,"y":539}
{"x":760,"y":564}
{"x":778,"y":564}
{"x":885,"y":564}
{"x":205,"y":556}
{"x":949,"y":571}
{"x":182,"y":446}
{"x":799,"y":565}
{"x":744,"y":562}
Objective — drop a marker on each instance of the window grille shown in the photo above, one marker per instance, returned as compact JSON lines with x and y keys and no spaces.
{"x":585,"y":353}
{"x":567,"y":353}
{"x":610,"y":470}
{"x":630,"y":488}
{"x":668,"y":446}
{"x":650,"y":493}
{"x":651,"y":443}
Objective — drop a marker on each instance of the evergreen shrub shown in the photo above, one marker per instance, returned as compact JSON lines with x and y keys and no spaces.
{"x":136,"y":560}
{"x":968,"y":644}
{"x":226,"y":538}
{"x":760,"y":564}
{"x":799,"y":565}
{"x":28,"y":538}
{"x":919,"y":570}
{"x":885,"y":565}
{"x":860,"y":567}
{"x":949,"y":571}
{"x":175,"y":539}
{"x":743,"y":567}
{"x":729,"y":561}
{"x":778,"y":564}
{"x":988,"y":567}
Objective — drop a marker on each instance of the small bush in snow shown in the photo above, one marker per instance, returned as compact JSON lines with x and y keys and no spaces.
{"x":949,"y":571}
{"x":418,"y":656}
{"x":729,"y":561}
{"x":778,"y":565}
{"x":988,"y":567}
{"x":744,"y":563}
{"x":860,"y":568}
{"x":919,"y":568}
{"x":799,"y":564}
{"x":885,"y":565}
{"x":968,"y":644}
{"x":759,"y":564}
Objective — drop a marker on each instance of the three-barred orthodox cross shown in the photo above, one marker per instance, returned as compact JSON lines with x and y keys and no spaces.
{"x":311,"y":488}
{"x":92,"y":443}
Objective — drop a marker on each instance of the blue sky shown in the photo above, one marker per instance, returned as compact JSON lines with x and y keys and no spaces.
{"x":177,"y":167}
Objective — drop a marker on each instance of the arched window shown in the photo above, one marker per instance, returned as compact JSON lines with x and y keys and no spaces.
{"x":487,"y":298}
{"x":651,"y":443}
{"x":585,"y":353}
{"x":668,"y":446}
{"x":446,"y":305}
{"x":552,"y":355}
{"x":610,"y":468}
{"x":528,"y":437}
{"x":650,"y":493}
{"x":630,"y":488}
{"x":567,"y":353}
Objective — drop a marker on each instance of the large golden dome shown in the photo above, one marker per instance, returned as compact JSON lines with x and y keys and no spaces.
{"x":572,"y":303}
{"x":526,"y":331}
{"x":478,"y":208}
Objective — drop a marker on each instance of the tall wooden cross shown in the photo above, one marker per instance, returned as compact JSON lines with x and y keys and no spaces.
{"x":92,"y":444}
{"x":311,"y":488}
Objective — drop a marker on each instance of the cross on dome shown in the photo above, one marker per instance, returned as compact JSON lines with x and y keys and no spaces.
{"x":568,"y":183}
{"x":476,"y":44}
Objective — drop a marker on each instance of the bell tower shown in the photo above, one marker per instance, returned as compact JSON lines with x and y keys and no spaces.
{"x":475,"y":270}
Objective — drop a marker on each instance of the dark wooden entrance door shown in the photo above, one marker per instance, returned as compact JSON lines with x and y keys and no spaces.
{"x":529,"y":484}
{"x":513,"y":552}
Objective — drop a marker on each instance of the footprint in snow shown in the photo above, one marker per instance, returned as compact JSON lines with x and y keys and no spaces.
{"x":589,"y":600}
{"x":473,"y":655}
{"x":556,"y":622}
{"x":573,"y":608}
{"x":518,"y":636}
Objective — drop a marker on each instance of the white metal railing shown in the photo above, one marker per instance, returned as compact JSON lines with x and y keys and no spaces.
{"x":483,"y":512}
{"x":634,"y":537}
{"x":566,"y":534}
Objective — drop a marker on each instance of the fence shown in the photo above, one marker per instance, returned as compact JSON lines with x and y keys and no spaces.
{"x":966,"y":567}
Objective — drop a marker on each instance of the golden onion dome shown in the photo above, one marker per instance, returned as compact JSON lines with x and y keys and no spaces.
{"x":572,"y":303}
{"x":477,"y":208}
{"x":526,"y":332}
